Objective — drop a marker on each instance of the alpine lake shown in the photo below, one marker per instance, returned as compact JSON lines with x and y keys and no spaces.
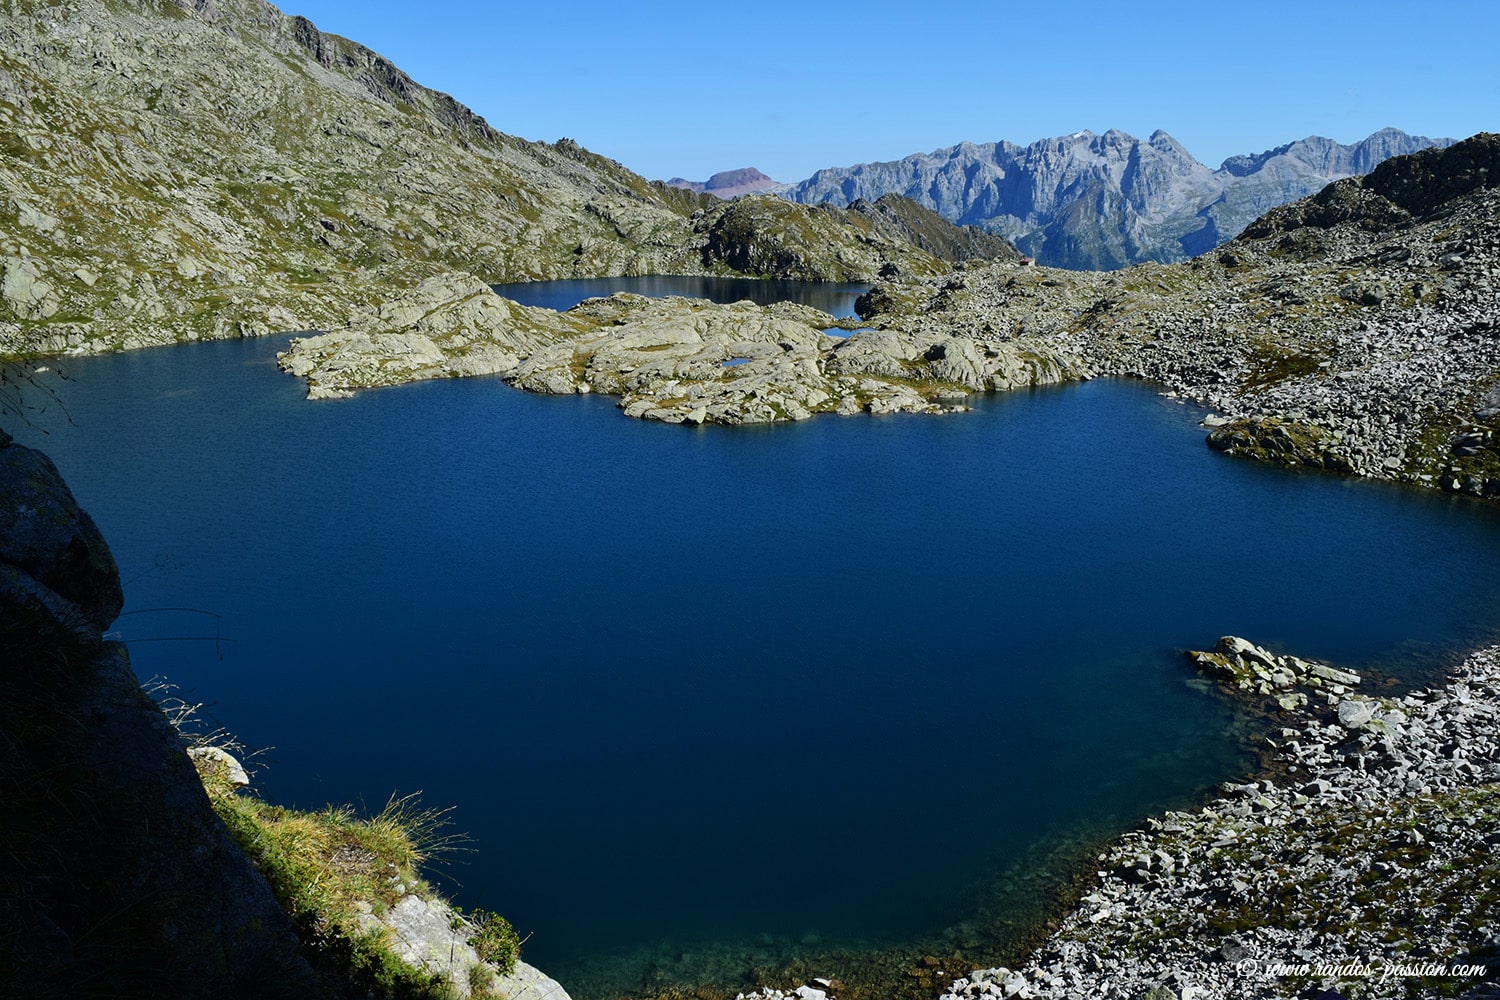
{"x":715,"y":702}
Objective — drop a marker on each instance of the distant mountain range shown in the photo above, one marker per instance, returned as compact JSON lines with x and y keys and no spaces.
{"x":728,"y":183}
{"x":1098,"y":202}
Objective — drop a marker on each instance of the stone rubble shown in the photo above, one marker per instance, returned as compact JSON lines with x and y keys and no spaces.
{"x":1370,"y":848}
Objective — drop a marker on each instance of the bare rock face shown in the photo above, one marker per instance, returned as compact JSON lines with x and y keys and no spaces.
{"x":1099,"y":202}
{"x":23,"y":288}
{"x":428,"y":934}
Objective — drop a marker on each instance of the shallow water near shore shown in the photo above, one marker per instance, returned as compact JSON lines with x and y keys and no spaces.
{"x":719,"y":697}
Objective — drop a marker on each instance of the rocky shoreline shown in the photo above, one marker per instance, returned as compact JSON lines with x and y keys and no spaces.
{"x":1354,"y":331}
{"x":1360,"y":862}
{"x":1364,"y":864}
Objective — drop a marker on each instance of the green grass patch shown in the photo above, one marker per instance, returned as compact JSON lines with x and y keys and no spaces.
{"x":1271,"y":364}
{"x":324,"y":865}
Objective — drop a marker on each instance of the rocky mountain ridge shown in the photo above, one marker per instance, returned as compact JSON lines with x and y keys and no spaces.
{"x":1100,"y":202}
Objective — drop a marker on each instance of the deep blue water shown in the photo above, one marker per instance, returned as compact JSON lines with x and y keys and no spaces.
{"x":732,"y":687}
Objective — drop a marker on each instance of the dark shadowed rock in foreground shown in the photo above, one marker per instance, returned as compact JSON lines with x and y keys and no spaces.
{"x":51,"y":549}
{"x":116,"y":877}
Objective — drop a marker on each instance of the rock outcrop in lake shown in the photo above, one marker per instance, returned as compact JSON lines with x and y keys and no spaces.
{"x":1098,"y":202}
{"x":1353,"y":331}
{"x":190,"y":169}
{"x":674,"y":360}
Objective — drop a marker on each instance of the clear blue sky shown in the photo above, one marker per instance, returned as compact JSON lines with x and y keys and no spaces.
{"x":673,"y":89}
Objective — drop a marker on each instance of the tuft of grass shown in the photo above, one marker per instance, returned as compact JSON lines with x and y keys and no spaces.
{"x":323,"y":864}
{"x":331,"y":867}
{"x":494,"y":940}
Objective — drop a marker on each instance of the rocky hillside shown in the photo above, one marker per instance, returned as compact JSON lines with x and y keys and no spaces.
{"x":183,"y":169}
{"x":901,"y":218}
{"x":1099,"y":202}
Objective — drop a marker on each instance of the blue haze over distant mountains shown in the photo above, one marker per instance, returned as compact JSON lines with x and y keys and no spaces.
{"x":1098,"y":202}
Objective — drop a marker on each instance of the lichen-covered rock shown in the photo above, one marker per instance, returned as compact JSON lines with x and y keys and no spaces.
{"x":426,"y":933}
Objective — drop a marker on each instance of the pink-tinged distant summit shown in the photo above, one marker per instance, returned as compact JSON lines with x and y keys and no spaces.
{"x":727,"y":183}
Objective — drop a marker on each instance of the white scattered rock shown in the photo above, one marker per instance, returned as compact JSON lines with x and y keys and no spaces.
{"x":1356,"y":713}
{"x":217,"y":757}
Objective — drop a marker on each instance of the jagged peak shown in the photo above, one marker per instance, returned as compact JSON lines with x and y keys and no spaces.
{"x":1162,"y":140}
